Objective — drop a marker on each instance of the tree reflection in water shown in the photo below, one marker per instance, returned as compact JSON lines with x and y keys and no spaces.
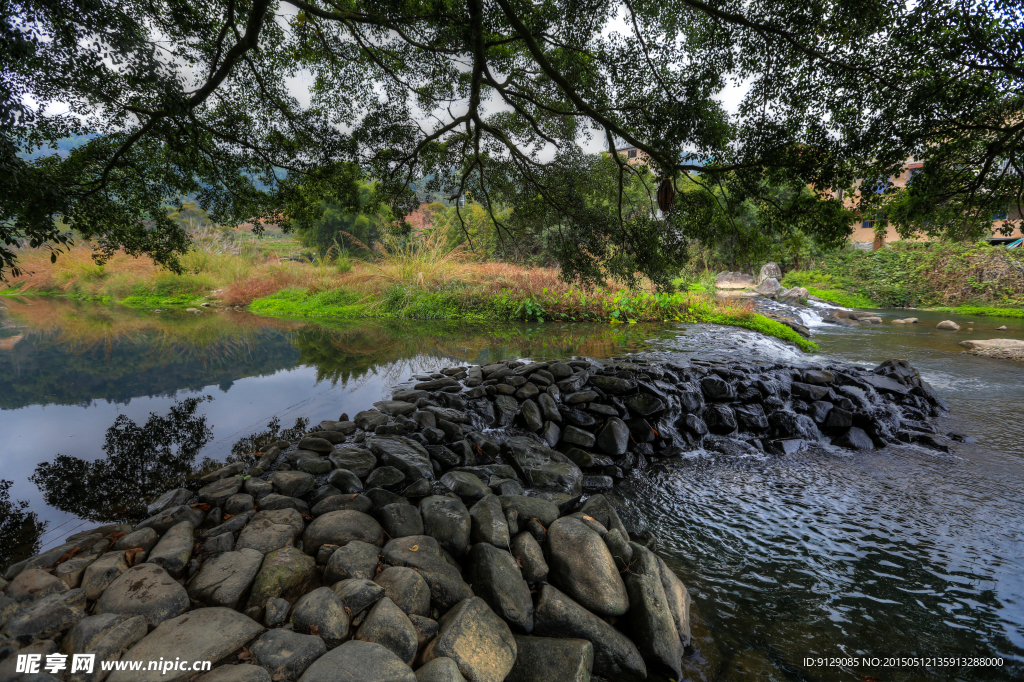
{"x":140,"y":460}
{"x":20,"y":530}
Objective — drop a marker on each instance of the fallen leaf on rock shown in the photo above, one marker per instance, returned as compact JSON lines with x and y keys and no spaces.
{"x":414,"y":548}
{"x":114,"y":537}
{"x":314,"y":630}
{"x":68,"y":554}
{"x":244,"y":654}
{"x":228,"y":516}
{"x":201,"y":506}
{"x":130,"y":555}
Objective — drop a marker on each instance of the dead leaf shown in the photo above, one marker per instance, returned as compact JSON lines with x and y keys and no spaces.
{"x":130,"y":555}
{"x":414,"y":548}
{"x":114,"y":537}
{"x":307,"y":517}
{"x":228,"y":516}
{"x":201,"y":506}
{"x":244,"y":654}
{"x":68,"y":554}
{"x":590,"y":518}
{"x":314,"y":630}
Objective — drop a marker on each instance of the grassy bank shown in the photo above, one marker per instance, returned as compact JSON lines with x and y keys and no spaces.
{"x":423,"y":280}
{"x":973,"y":279}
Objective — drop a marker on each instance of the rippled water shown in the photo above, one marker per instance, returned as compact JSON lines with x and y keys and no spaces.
{"x":902,"y":551}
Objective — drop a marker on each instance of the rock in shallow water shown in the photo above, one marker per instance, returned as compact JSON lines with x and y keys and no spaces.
{"x":581,"y":565}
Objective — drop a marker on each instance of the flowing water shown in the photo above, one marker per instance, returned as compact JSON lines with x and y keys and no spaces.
{"x":903,"y":552}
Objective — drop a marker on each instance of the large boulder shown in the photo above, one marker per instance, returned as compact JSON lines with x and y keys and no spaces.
{"x":488,"y":522}
{"x":355,"y":560}
{"x":284,"y":574}
{"x":769,"y":269}
{"x":144,"y":590}
{"x":356,"y":661}
{"x":34,"y":584}
{"x":389,"y":626}
{"x":406,"y":588}
{"x":292,"y":483}
{"x":225,"y":579}
{"x":615,"y":656}
{"x":107,"y":637}
{"x":479,"y":642}
{"x":321,"y":612}
{"x":359,"y":461}
{"x":733,"y":280}
{"x":497,"y":580}
{"x":527,"y":507}
{"x":100,"y":573}
{"x":340,"y":528}
{"x":174,"y":550}
{"x":47,"y":617}
{"x":447,"y":520}
{"x":424,"y":554}
{"x":270,"y":530}
{"x":286,"y":654}
{"x":543,"y":468}
{"x":581,"y":565}
{"x":530,"y":557}
{"x":550,"y":659}
{"x":406,"y":455}
{"x":210,"y":634}
{"x":651,"y":620}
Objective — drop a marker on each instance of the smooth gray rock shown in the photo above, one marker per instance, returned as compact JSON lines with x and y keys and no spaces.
{"x":496,"y":579}
{"x":530,"y":557}
{"x":292,"y":483}
{"x":447,"y":520}
{"x":353,"y":502}
{"x":70,"y":572}
{"x":324,"y":610}
{"x":426,"y":629}
{"x":479,"y":642}
{"x":47,"y":617}
{"x":144,"y":590}
{"x":163,"y":521}
{"x":358,"y":594}
{"x":174,"y":550}
{"x":101,"y":573}
{"x":368,"y":420}
{"x":270,"y":530}
{"x":34,"y":584}
{"x":359,"y":461}
{"x":615,"y":656}
{"x":144,"y":539}
{"x":619,"y":547}
{"x":286,"y":654}
{"x":550,"y":659}
{"x":581,"y":565}
{"x":340,"y":528}
{"x":210,"y":634}
{"x":274,"y":501}
{"x":225,"y":579}
{"x":345,"y":481}
{"x":678,"y":600}
{"x":406,"y":588}
{"x":440,"y":670}
{"x":389,"y":626}
{"x":239,"y":503}
{"x":404,"y":454}
{"x":613,"y":438}
{"x":357,"y":661}
{"x":355,"y":560}
{"x":466,"y":485}
{"x":275,"y":612}
{"x":225,"y":542}
{"x":650,"y":619}
{"x":171,"y":498}
{"x":541,"y":467}
{"x":385,"y":477}
{"x":284,"y":574}
{"x":107,"y":642}
{"x":424,"y":554}
{"x":488,"y":522}
{"x":400,"y":519}
{"x":231,"y":526}
{"x":531,"y":508}
{"x":216,"y":494}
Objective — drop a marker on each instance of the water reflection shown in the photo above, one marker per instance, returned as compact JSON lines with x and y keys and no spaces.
{"x":140,"y":460}
{"x":20,"y":529}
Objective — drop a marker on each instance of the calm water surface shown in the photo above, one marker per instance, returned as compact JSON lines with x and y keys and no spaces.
{"x":902,"y":552}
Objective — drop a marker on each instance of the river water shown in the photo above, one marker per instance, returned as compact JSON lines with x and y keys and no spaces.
{"x":904,"y":552}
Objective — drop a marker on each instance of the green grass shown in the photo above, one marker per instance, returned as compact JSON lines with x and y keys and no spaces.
{"x":983,"y":311}
{"x":410,"y":302}
{"x":151,"y":301}
{"x":843,"y":298}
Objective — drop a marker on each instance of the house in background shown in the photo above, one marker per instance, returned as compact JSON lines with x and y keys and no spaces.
{"x":865,"y":236}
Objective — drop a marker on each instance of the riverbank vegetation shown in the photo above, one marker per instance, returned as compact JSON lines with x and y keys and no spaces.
{"x":970,"y":278}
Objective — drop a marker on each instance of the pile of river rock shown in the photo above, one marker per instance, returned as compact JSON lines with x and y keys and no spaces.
{"x":455,"y":532}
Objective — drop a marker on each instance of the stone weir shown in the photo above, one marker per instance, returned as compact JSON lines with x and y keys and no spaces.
{"x":455,"y":532}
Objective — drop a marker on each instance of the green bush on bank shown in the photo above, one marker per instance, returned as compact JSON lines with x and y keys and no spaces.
{"x":919,"y":274}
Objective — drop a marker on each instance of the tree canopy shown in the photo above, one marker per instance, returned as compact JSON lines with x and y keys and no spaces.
{"x":214,"y":98}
